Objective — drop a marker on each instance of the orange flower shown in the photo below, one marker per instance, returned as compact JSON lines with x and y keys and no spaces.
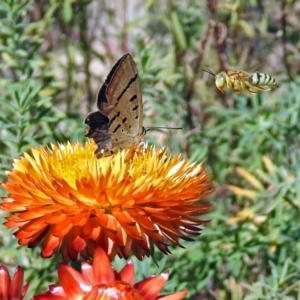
{"x":100,"y":280}
{"x":68,"y":198}
{"x":12,"y":288}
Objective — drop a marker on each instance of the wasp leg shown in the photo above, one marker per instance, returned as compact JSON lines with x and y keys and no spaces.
{"x":234,"y":86}
{"x":249,"y":88}
{"x":254,"y":88}
{"x":221,"y":89}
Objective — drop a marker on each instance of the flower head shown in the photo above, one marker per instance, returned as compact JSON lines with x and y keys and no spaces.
{"x":12,"y":288}
{"x":66,"y":197}
{"x":99,"y":280}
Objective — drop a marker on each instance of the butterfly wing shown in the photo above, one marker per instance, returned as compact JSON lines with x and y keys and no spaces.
{"x":120,"y":101}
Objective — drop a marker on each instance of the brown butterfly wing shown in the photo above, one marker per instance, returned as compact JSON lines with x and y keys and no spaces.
{"x":120,"y":101}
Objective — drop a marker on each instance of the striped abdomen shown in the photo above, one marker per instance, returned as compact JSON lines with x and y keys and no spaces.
{"x":259,"y":79}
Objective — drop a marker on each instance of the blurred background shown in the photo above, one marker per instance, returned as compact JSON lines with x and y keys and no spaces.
{"x":55,"y":54}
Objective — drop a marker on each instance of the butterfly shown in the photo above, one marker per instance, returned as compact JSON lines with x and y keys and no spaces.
{"x":118,"y":122}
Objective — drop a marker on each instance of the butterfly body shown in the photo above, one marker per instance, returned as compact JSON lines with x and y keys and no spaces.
{"x":118,"y":123}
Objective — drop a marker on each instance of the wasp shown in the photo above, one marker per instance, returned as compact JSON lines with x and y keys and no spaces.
{"x":238,"y":81}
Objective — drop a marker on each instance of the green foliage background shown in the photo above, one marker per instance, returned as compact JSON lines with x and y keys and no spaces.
{"x":56,"y":53}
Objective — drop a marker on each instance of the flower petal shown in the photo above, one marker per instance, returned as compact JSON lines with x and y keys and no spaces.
{"x":151,"y":287}
{"x":104,"y":273}
{"x":72,"y":282}
{"x":127,"y":273}
{"x":4,"y":282}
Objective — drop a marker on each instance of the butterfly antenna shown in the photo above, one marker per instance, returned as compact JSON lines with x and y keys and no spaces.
{"x":162,"y":127}
{"x":209,"y":72}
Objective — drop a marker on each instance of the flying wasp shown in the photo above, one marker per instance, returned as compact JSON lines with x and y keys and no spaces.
{"x":239,"y":81}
